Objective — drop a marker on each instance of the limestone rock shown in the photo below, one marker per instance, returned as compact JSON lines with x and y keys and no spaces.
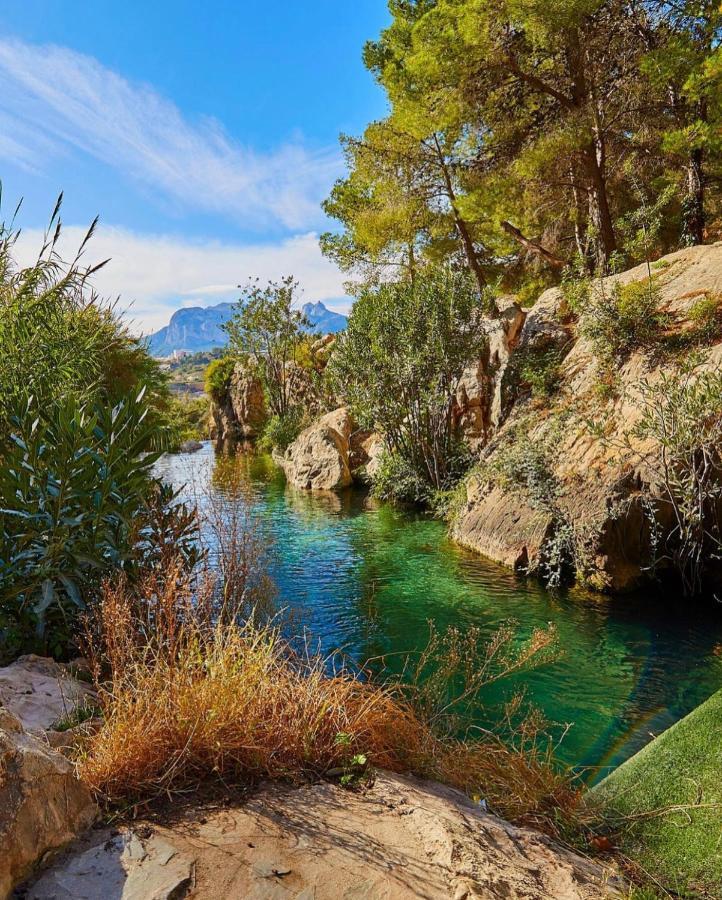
{"x":247,"y":402}
{"x":41,"y":692}
{"x":318,"y":459}
{"x":43,"y":806}
{"x":191,"y":446}
{"x":401,"y":839}
{"x":601,"y":486}
{"x":125,"y":866}
{"x":365,"y":451}
{"x":480,"y":401}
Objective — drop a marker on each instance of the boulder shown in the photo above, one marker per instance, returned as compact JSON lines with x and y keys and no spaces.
{"x":191,"y":446}
{"x":480,"y":401}
{"x":41,"y":692}
{"x":400,"y":838}
{"x":247,"y":402}
{"x":318,"y":460}
{"x":365,"y":451}
{"x":127,"y":865}
{"x":43,"y":805}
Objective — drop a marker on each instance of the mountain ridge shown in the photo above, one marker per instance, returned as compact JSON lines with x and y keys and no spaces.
{"x":199,"y":328}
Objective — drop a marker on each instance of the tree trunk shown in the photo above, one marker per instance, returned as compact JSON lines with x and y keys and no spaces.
{"x":599,"y":213}
{"x":693,"y":221}
{"x":461,"y":226}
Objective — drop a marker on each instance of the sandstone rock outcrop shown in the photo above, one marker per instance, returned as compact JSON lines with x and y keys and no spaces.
{"x":43,"y":806}
{"x":331,"y":453}
{"x":601,"y":487}
{"x":400,"y":839}
{"x":318,"y":459}
{"x":242,"y":413}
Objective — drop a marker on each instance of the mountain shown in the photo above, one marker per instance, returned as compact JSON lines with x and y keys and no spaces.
{"x":193,"y":328}
{"x":323,"y":319}
{"x":198,"y":328}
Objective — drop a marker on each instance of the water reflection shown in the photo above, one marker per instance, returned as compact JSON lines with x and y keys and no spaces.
{"x":367,"y":578}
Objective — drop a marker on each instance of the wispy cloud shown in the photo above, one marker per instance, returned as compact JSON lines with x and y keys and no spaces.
{"x":155,"y":274}
{"x":54,"y":100}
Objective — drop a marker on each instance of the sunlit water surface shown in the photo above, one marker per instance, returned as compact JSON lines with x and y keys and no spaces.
{"x":367,"y":579}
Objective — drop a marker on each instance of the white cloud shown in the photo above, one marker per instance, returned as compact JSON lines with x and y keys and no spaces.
{"x":156,"y":274}
{"x":56,"y":100}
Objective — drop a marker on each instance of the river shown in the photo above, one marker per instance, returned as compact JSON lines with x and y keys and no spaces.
{"x":367,"y":578}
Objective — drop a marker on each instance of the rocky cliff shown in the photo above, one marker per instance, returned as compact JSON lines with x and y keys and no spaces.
{"x":599,"y":482}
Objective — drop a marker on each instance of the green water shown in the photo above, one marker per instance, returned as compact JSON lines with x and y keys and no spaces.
{"x":367,"y":579}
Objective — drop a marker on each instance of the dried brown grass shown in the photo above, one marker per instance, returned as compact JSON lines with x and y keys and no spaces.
{"x":188,"y":695}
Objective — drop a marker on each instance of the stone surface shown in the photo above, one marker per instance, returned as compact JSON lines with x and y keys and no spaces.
{"x":124,"y":865}
{"x":40,"y":692}
{"x":601,"y":484}
{"x":43,"y":806}
{"x":191,"y":446}
{"x":480,"y":401}
{"x":318,"y":460}
{"x":398,"y":840}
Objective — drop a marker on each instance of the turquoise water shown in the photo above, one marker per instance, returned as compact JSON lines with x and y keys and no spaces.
{"x":367,"y":579}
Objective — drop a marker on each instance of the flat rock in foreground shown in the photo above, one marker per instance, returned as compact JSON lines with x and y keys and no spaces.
{"x":400,"y":839}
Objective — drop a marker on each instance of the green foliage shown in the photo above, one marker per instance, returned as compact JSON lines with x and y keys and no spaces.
{"x":58,"y":339}
{"x":397,"y":481}
{"x":399,"y":364}
{"x":705,"y":315}
{"x":271,"y":334}
{"x":540,"y":369}
{"x":218,"y":378}
{"x":281,"y":431}
{"x":681,"y":417}
{"x":616,"y":324}
{"x":74,"y":480}
{"x":186,"y":419}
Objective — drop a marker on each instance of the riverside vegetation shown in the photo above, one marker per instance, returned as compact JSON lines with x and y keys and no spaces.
{"x":534,"y":353}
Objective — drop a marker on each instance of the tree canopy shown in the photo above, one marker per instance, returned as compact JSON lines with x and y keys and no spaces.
{"x":524,"y":136}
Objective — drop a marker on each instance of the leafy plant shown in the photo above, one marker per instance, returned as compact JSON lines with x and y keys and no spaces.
{"x":218,"y":377}
{"x":281,"y":431}
{"x":399,"y":364}
{"x":272,"y":336}
{"x":74,"y":479}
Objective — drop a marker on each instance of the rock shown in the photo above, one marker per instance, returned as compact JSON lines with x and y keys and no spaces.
{"x":191,"y":446}
{"x":480,"y":401}
{"x":124,"y":865}
{"x":318,"y":459}
{"x":43,"y":806}
{"x":365,"y":451}
{"x":602,"y":489}
{"x":41,"y":692}
{"x":401,"y":839}
{"x":247,"y":402}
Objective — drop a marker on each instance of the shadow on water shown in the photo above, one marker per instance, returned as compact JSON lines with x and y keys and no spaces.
{"x":367,"y":578}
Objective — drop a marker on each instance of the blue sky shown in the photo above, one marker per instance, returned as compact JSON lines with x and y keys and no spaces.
{"x":205,"y":137}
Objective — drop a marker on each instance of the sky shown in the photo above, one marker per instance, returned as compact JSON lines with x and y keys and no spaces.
{"x":204,"y":135}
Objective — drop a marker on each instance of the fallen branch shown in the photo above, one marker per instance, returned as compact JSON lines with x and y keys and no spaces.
{"x":534,"y":246}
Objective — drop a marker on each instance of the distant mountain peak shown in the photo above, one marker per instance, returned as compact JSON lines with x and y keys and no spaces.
{"x":199,"y":328}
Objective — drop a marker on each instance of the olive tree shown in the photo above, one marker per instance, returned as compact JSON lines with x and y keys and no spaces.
{"x":399,"y":364}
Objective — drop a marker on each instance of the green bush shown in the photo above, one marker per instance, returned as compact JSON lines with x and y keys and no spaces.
{"x":74,"y":481}
{"x":706,"y":317}
{"x":281,"y":431}
{"x":187,"y":419}
{"x":625,"y":320}
{"x":540,"y":369}
{"x":399,"y":364}
{"x":218,"y":378}
{"x":58,"y":339}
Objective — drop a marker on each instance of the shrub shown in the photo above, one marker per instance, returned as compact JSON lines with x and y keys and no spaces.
{"x":184,"y":699}
{"x":187,"y":419}
{"x":58,"y":339}
{"x":281,"y":431}
{"x":218,"y":378}
{"x":540,"y":369}
{"x":73,"y":482}
{"x":399,"y":363}
{"x":616,"y":324}
{"x":681,"y":425}
{"x":706,"y":317}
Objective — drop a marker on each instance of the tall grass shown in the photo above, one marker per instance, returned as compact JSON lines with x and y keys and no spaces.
{"x":186,"y":697}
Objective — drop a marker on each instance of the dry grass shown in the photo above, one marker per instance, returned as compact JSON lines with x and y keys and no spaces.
{"x":186,"y":698}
